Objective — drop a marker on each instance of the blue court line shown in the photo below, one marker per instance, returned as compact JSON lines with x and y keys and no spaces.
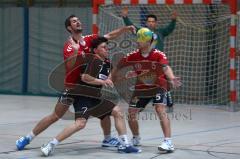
{"x":195,"y":132}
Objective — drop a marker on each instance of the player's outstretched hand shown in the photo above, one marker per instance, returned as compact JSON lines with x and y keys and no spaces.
{"x":108,"y":83}
{"x":125,"y":12}
{"x":176,"y":82}
{"x":132,"y":29}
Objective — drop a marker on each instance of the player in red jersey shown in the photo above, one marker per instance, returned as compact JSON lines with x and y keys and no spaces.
{"x":75,"y":45}
{"x":152,"y":72}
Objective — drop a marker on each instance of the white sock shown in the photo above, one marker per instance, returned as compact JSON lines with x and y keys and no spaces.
{"x":136,"y":136}
{"x":54,"y":142}
{"x":31,"y":136}
{"x":107,"y":137}
{"x":168,"y":139}
{"x":124,"y":140}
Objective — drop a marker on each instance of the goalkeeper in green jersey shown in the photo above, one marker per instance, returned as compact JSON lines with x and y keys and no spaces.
{"x":151,"y":23}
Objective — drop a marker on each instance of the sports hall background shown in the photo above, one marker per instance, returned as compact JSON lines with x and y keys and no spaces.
{"x":32,"y":34}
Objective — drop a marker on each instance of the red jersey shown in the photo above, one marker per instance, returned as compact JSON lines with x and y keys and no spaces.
{"x":149,"y":70}
{"x":72,"y":75}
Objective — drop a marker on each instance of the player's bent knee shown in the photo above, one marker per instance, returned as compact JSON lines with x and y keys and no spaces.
{"x":133,"y":111}
{"x":117,"y":109}
{"x":59,"y":111}
{"x":54,"y":117}
{"x":132,"y":114}
{"x":80,"y":123}
{"x":160,"y":108}
{"x":161,"y":113}
{"x":116,"y":112}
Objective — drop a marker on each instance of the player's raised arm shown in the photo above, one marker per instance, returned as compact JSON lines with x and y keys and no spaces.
{"x":116,"y":33}
{"x":126,"y":20}
{"x":124,"y":12}
{"x":124,"y":15}
{"x":171,"y":26}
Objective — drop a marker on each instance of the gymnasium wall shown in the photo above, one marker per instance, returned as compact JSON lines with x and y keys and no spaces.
{"x":37,"y":40}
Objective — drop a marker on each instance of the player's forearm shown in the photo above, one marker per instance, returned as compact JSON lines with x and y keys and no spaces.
{"x":114,"y":74}
{"x":168,"y":72}
{"x":127,"y":21}
{"x":116,"y":33}
{"x":91,"y":80}
{"x":172,"y":25}
{"x":169,"y":28}
{"x":174,"y":81}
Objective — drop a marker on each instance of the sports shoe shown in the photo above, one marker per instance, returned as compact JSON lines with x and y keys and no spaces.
{"x":166,"y":146}
{"x":112,"y":142}
{"x":22,"y":142}
{"x":48,"y":149}
{"x":136,"y":141}
{"x":128,"y":149}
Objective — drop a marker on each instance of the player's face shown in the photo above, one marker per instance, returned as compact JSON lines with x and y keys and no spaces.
{"x":76,"y":25}
{"x":102,"y":50}
{"x":151,"y":23}
{"x":143,"y":45}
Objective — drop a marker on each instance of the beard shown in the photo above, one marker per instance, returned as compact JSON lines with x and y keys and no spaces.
{"x":78,"y":30}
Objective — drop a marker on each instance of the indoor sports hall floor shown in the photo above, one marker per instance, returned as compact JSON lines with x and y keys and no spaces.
{"x":198,"y":133}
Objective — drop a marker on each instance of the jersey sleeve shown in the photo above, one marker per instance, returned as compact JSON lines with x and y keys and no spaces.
{"x":162,"y":58}
{"x":168,"y":29}
{"x":128,"y":22}
{"x":88,"y":39}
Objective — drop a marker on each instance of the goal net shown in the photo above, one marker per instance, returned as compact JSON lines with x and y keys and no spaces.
{"x":197,"y":49}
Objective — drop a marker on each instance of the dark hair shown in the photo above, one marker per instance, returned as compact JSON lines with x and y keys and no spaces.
{"x":68,"y":22}
{"x":96,"y":42}
{"x":151,"y":16}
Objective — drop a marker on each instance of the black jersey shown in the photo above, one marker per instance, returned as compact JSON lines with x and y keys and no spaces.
{"x":98,"y":69}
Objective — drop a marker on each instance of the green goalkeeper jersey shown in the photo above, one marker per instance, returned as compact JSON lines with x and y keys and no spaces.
{"x":159,"y":33}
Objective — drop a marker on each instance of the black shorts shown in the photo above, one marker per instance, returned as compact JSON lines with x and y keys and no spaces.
{"x":66,"y":98}
{"x":86,"y":106}
{"x":138,"y":102}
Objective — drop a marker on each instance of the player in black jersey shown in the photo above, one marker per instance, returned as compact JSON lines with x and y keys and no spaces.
{"x":95,"y":75}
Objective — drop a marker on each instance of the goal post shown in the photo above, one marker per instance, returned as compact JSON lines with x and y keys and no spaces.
{"x":201,"y":49}
{"x":238,"y":58}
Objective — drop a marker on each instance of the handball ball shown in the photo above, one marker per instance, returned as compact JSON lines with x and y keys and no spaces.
{"x":144,"y":35}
